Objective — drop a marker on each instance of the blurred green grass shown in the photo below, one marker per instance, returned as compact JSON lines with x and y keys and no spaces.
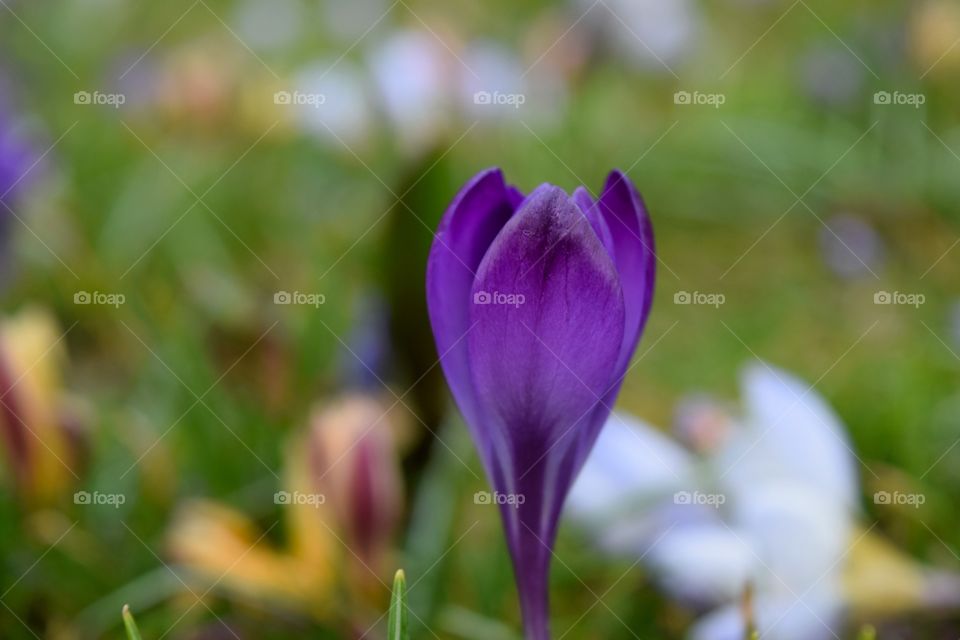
{"x":289,"y":214}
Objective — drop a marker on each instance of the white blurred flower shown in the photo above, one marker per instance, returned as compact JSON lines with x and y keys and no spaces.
{"x":771,"y":504}
{"x":494,"y":71}
{"x":650,"y":32}
{"x":416,"y":84}
{"x":790,"y":436}
{"x":269,"y":24}
{"x":333,"y":102}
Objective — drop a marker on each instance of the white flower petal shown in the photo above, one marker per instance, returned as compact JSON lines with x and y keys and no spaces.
{"x":705,"y":563}
{"x":631,"y":465}
{"x":799,"y":537}
{"x":791,"y":433}
{"x":816,"y":617}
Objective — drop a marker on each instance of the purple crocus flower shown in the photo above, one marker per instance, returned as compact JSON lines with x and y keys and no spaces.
{"x":16,"y":156}
{"x":537,"y":304}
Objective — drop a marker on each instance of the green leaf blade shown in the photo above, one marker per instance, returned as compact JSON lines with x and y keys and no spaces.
{"x":397,"y":628}
{"x":133,"y":633}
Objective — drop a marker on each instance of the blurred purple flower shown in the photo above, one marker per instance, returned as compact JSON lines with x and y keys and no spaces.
{"x":537,"y":304}
{"x":831,"y":76}
{"x":16,"y":157}
{"x":851,"y":247}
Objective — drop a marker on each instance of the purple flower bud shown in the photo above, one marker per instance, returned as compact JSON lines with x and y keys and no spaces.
{"x":537,"y":304}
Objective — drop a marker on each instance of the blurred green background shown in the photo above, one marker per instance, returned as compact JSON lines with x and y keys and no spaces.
{"x":204,"y":194}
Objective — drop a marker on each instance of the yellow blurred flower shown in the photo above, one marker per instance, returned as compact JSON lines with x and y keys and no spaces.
{"x":226,"y":549}
{"x":40,"y":437}
{"x":341,"y":500}
{"x":935,"y":36}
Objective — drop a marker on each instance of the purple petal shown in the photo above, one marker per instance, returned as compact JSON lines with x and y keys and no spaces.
{"x":623,"y":209}
{"x":467,"y":229}
{"x":549,"y":314}
{"x":546,"y":304}
{"x":633,"y":252}
{"x":583,"y":200}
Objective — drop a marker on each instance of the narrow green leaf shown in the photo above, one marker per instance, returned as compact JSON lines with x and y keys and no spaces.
{"x":397,"y":625}
{"x":133,"y":633}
